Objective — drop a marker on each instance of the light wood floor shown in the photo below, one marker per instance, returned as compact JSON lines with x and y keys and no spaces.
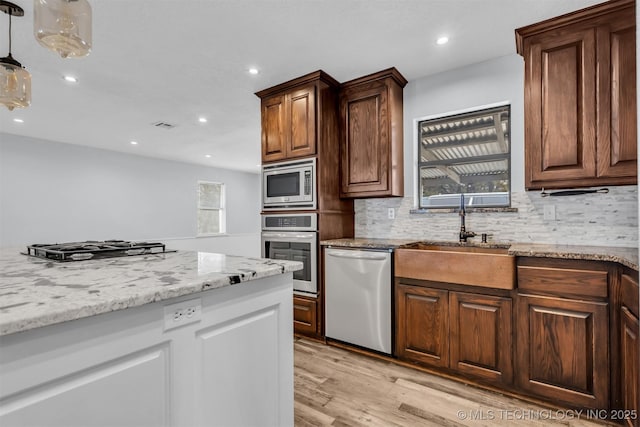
{"x":336,"y":387}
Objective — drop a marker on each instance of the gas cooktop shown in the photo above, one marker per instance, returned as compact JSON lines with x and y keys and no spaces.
{"x":79,"y":251}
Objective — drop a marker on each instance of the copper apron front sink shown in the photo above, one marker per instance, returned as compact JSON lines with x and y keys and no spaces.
{"x":489,"y":267}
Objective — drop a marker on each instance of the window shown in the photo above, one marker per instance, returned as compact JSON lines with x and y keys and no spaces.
{"x":211,"y":214}
{"x":466,"y":154}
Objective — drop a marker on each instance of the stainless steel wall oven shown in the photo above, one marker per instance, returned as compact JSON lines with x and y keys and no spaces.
{"x":294,"y":237}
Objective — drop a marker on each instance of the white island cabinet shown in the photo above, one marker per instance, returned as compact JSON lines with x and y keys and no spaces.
{"x":177,"y":339}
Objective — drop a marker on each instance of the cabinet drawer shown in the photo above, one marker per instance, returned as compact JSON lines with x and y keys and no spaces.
{"x":305,"y":315}
{"x":579,"y":280}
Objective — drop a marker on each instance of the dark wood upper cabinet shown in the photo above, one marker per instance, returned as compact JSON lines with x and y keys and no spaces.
{"x":371,"y":136}
{"x":273,"y":119}
{"x":617,"y":126}
{"x":292,"y":116}
{"x":580,"y":98}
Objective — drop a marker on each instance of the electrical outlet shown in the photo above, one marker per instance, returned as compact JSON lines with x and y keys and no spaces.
{"x":391,"y":213}
{"x":549,"y":212}
{"x":191,"y":311}
{"x":182,"y":313}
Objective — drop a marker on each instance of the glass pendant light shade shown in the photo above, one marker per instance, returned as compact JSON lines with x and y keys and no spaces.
{"x":15,"y":84}
{"x":15,"y":81}
{"x":64,"y":26}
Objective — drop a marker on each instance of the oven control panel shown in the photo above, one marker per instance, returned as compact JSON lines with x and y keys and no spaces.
{"x":290,"y":222}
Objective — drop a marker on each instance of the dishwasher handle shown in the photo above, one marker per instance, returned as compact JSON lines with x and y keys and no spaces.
{"x":368,"y":255}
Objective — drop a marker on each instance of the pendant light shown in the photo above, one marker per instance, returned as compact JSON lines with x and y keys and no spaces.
{"x":63,"y":26}
{"x":15,"y":81}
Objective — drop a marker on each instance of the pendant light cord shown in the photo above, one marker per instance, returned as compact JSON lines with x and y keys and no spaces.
{"x":9,"y":31}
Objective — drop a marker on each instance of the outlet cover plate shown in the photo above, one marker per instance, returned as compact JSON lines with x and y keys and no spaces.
{"x":182,"y":313}
{"x":549,"y":212}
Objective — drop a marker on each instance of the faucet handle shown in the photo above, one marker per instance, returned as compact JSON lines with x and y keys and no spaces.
{"x":484,"y":237}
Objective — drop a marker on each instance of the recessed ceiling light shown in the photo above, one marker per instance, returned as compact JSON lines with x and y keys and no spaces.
{"x":202,"y":119}
{"x":70,"y":79}
{"x":17,"y":120}
{"x":207,"y":155}
{"x":442,"y":40}
{"x":134,"y":142}
{"x":253,"y":70}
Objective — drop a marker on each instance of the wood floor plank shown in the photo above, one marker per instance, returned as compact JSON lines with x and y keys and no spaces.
{"x":306,"y":415}
{"x":337,"y":387}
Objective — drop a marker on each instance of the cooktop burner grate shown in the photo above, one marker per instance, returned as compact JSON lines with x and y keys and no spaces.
{"x":78,"y":251}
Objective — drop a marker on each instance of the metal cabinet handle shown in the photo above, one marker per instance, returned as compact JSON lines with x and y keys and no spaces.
{"x":359,"y":255}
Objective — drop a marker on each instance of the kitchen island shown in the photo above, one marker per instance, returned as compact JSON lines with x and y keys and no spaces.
{"x":177,"y":338}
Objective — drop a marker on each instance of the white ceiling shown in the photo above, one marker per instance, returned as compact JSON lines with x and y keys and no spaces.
{"x":176,"y":60}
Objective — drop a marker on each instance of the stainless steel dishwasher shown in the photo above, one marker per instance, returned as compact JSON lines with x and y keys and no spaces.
{"x":358,"y":297}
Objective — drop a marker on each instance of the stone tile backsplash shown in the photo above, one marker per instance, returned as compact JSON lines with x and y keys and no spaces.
{"x":591,"y":219}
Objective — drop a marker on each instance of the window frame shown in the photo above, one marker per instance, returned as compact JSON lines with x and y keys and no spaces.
{"x":222,"y":216}
{"x":417,"y":153}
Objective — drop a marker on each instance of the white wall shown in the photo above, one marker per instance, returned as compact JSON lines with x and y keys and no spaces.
{"x":605,"y":220}
{"x":485,"y":83}
{"x":54,"y":192}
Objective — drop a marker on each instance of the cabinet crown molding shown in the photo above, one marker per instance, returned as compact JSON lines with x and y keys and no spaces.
{"x":307,"y":78}
{"x":380,"y":75}
{"x":569,"y":18}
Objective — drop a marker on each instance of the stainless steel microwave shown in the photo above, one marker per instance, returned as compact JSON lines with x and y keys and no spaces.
{"x":289,"y":185}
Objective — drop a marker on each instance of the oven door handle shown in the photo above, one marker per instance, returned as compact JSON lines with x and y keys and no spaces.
{"x":289,"y":236}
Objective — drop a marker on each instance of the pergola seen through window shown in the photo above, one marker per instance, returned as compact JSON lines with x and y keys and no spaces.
{"x":468,"y":154}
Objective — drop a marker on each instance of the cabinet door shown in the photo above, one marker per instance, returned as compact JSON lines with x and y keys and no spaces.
{"x":305,"y":315}
{"x":630,"y":357}
{"x":481,"y":338}
{"x":365,"y":139}
{"x":617,"y":126}
{"x":422,"y":325}
{"x":629,"y":350}
{"x":562,"y":350}
{"x":560,"y":107}
{"x":301,"y":139}
{"x":273,"y":128}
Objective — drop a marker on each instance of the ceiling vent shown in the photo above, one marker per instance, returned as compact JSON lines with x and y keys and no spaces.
{"x":164,"y":125}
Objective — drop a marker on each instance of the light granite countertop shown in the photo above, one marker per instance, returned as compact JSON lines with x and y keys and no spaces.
{"x":625,"y":256}
{"x":35,"y":292}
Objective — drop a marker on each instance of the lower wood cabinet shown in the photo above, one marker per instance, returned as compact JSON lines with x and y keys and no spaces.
{"x":630,"y":374}
{"x":629,"y":354}
{"x":480,"y":336}
{"x":568,"y":334}
{"x":562,"y":325}
{"x":562,"y":350}
{"x":422,"y":325}
{"x":305,"y":315}
{"x":464,"y":332}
